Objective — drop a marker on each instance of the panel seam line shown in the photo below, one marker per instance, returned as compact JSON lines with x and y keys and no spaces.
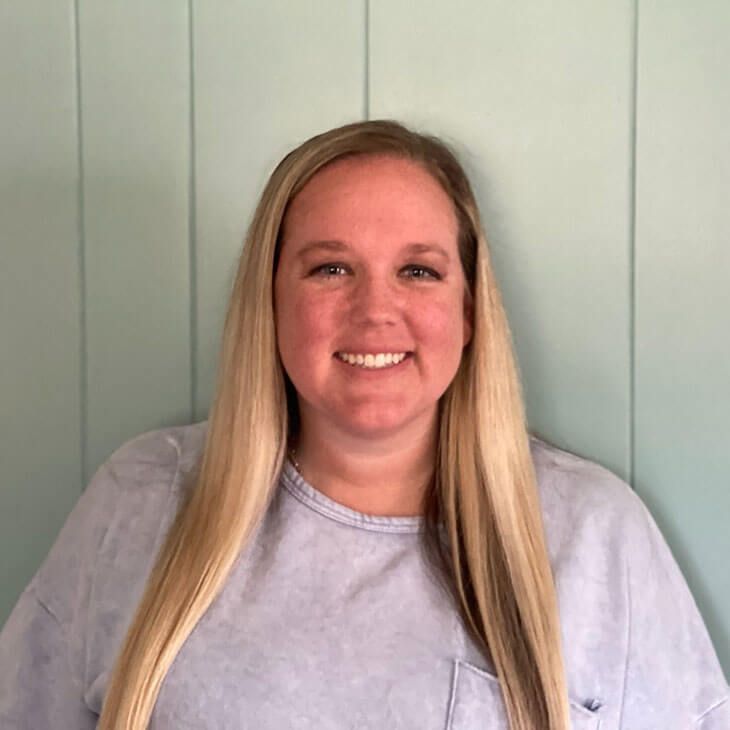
{"x":632,"y":244}
{"x":81,"y":257}
{"x":367,"y":60}
{"x":192,"y":220}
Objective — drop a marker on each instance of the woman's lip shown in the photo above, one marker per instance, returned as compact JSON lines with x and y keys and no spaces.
{"x":371,"y":352}
{"x":363,"y":370}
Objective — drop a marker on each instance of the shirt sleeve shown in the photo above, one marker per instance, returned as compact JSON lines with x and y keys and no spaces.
{"x":673,"y":678}
{"x":47,"y":644}
{"x":43,"y":642}
{"x":39,"y":690}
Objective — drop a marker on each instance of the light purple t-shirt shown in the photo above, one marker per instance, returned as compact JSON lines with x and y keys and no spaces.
{"x":331,"y":619}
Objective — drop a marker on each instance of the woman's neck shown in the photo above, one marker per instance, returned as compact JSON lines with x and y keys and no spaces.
{"x":386,"y":476}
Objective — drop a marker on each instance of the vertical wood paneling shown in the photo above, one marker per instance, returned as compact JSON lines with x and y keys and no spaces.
{"x":135,"y":97}
{"x":267,"y":76}
{"x":683,"y":292}
{"x":39,"y":287}
{"x":538,"y":99}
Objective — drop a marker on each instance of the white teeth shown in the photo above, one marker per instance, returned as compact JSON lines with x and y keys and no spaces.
{"x":373,"y":361}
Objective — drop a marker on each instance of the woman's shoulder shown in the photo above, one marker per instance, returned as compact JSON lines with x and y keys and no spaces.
{"x":117,"y":520}
{"x":589,"y":512}
{"x":579,"y":488}
{"x":623,"y":597}
{"x":157,"y":452}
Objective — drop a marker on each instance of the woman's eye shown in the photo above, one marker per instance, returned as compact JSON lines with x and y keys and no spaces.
{"x":423,"y":272}
{"x":328,"y":270}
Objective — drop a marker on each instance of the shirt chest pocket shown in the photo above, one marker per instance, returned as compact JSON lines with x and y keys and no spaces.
{"x":476,"y":703}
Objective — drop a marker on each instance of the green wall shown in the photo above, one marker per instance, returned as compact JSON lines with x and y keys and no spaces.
{"x":135,"y":137}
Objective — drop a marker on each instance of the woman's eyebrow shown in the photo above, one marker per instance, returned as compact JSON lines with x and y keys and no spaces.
{"x":334,"y":245}
{"x":321,"y":245}
{"x":428,"y":248}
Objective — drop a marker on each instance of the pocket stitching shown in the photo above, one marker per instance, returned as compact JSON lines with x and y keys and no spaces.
{"x":493,"y":678}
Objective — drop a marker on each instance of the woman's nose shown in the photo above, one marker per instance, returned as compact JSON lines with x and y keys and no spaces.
{"x":374,"y":299}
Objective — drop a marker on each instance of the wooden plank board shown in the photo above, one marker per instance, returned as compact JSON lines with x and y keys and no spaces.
{"x":683,"y":292}
{"x":40,"y":360}
{"x":135,"y":121}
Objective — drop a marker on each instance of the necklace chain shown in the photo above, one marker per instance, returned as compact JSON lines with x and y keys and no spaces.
{"x":293,"y":457}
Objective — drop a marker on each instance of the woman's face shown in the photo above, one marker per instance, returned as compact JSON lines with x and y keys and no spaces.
{"x":369,"y":266}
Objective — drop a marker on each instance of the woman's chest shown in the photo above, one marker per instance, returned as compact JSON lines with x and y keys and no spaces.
{"x":335,"y":689}
{"x":347,"y":657}
{"x":332,"y":669}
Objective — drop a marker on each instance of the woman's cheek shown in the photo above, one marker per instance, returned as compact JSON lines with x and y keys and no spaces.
{"x":313,"y":321}
{"x":437,"y":321}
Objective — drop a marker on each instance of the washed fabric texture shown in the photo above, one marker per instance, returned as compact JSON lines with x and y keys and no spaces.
{"x":331,"y":619}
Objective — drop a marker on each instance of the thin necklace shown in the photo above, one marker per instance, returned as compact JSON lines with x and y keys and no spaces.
{"x":293,"y":457}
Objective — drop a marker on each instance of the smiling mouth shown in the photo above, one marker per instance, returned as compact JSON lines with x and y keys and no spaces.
{"x":380,"y":361}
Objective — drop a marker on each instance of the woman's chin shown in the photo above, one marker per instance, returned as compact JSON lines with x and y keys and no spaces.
{"x":379,"y":423}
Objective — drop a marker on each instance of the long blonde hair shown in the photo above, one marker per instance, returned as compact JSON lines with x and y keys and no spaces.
{"x":483,"y":492}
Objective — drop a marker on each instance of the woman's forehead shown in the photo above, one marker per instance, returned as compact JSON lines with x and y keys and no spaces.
{"x":358,"y":191}
{"x":356,"y":171}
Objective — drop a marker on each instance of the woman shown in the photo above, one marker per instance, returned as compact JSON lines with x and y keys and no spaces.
{"x":263,"y":569}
